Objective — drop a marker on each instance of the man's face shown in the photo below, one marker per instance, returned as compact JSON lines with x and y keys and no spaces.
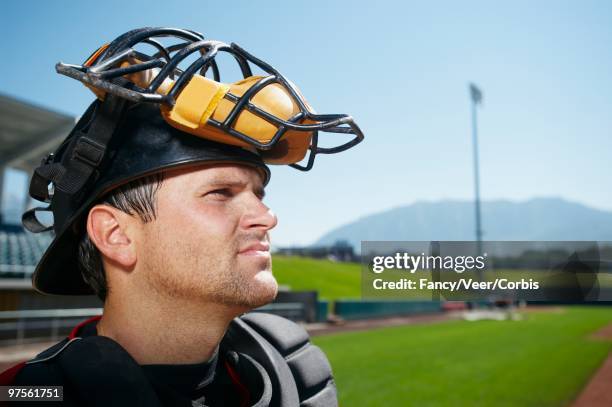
{"x":209,"y":241}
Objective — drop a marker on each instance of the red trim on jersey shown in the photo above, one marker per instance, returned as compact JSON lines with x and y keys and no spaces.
{"x":8,"y":376}
{"x":75,"y":332}
{"x":245,"y":396}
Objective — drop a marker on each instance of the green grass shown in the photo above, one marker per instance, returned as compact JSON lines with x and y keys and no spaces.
{"x":338,"y":280}
{"x":544,"y":360}
{"x":333,"y":280}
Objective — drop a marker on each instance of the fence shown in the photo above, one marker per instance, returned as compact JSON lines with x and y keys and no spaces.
{"x":348,"y":309}
{"x":18,"y":327}
{"x":51,"y":324}
{"x":21,"y":326}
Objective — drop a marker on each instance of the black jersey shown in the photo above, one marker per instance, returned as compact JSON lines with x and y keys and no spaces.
{"x":263,"y":360}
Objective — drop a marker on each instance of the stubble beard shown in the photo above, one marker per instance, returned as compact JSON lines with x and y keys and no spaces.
{"x":215,"y":276}
{"x":250,"y":292}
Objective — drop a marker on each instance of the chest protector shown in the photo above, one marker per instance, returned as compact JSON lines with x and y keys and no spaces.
{"x":276,"y":361}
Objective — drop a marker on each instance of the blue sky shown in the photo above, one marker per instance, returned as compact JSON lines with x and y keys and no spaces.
{"x":401,"y":69}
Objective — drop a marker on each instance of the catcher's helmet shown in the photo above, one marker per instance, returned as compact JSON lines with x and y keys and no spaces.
{"x":144,"y":120}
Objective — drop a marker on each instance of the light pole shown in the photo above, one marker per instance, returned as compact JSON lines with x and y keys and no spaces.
{"x":476,"y":97}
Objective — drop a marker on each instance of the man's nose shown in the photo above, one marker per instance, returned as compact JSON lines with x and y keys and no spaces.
{"x":259,"y":216}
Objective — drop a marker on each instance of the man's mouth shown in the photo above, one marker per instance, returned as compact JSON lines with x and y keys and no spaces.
{"x":256,"y":249}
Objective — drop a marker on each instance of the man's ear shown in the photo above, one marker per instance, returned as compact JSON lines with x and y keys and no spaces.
{"x":111,"y":231}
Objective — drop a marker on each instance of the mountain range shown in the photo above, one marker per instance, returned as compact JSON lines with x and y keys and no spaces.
{"x":535,"y":219}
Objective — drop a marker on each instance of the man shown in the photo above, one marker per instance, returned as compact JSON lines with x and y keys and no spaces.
{"x":157,"y":200}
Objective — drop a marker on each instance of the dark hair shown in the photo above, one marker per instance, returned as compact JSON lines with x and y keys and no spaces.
{"x":138,"y":198}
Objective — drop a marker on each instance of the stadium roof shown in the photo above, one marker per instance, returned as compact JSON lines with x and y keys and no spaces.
{"x":28,"y":132}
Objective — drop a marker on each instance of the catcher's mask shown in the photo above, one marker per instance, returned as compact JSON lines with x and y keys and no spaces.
{"x":267,"y":113}
{"x":144,"y":121}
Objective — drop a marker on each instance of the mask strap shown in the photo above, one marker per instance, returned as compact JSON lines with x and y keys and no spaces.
{"x":31,"y":222}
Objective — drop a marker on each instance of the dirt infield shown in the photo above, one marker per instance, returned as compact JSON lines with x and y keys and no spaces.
{"x":367,"y":324}
{"x":598,"y":391}
{"x":604,"y":333}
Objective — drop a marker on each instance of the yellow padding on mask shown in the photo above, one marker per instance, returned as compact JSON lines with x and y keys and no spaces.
{"x":195,"y":104}
{"x":202,"y":98}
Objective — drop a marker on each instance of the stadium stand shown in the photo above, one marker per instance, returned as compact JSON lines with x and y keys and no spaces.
{"x":20,"y":251}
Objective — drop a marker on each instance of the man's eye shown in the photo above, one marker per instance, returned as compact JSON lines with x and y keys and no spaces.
{"x":220,"y":193}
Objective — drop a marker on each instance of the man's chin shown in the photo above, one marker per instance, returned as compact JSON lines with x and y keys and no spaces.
{"x":259,"y":290}
{"x":267,"y":284}
{"x":263,"y":289}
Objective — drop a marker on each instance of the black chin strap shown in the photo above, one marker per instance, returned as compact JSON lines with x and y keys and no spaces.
{"x":86,"y":154}
{"x":90,"y":148}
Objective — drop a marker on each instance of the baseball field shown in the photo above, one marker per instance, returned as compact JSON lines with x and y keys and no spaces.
{"x":544,"y":359}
